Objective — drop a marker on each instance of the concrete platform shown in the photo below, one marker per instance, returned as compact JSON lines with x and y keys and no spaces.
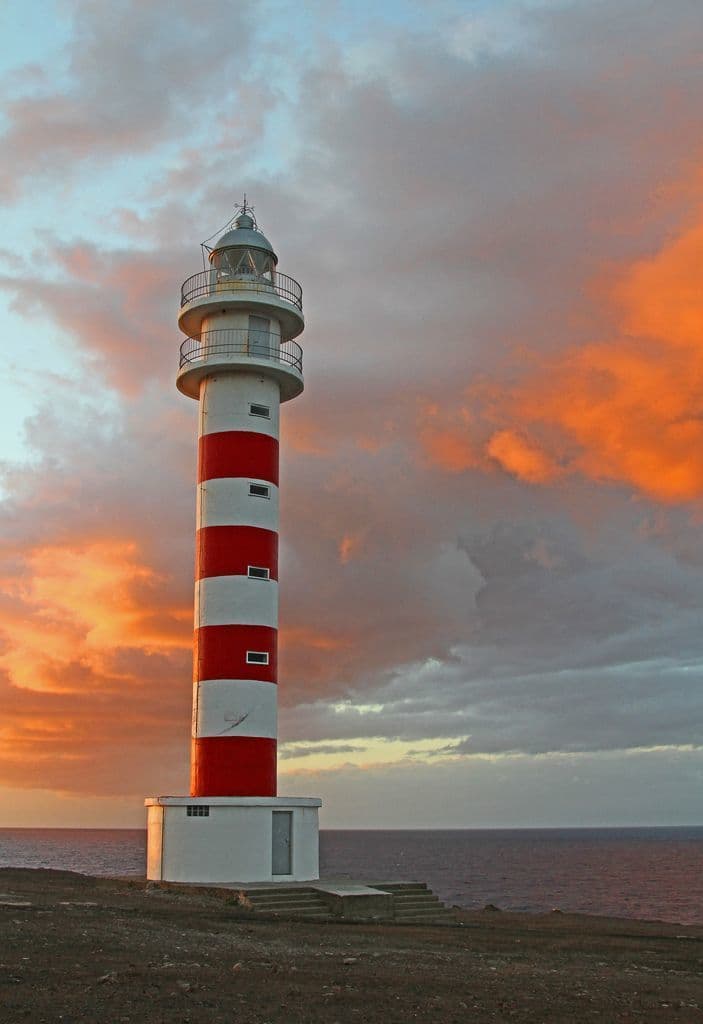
{"x":330,"y":899}
{"x":347,"y":900}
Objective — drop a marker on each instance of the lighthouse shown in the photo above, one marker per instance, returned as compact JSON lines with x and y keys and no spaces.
{"x":240,"y":362}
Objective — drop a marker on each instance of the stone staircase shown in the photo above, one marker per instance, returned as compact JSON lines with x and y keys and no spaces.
{"x":411,"y":903}
{"x":290,"y":901}
{"x":414,"y":903}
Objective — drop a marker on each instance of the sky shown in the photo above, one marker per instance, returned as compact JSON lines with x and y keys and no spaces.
{"x":492,"y":486}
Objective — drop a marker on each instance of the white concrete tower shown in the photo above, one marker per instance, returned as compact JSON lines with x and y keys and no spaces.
{"x":240,"y":362}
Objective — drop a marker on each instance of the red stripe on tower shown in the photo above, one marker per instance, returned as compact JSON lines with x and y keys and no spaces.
{"x":231,"y":550}
{"x":233,"y":766}
{"x":238,"y":453}
{"x":221,"y":652}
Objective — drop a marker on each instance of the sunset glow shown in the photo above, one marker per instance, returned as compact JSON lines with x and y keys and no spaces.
{"x":627,"y":408}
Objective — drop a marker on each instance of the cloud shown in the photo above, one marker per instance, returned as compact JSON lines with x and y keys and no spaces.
{"x":114,"y":306}
{"x":95,"y":629}
{"x":519,"y":456}
{"x":349,"y":546}
{"x":134,"y":73}
{"x":637,"y":788}
{"x":625,"y":409}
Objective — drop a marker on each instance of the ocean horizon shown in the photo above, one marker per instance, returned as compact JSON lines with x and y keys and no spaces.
{"x":651,"y":873}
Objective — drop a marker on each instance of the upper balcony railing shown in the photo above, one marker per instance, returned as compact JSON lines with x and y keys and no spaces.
{"x":212,"y":282}
{"x":241,"y":342}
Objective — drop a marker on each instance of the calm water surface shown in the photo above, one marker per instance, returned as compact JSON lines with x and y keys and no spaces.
{"x":654,"y":873}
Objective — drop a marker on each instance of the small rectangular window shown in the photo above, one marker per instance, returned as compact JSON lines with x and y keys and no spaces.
{"x":260,"y":490}
{"x":197,"y":810}
{"x":257,"y":658}
{"x":259,"y":410}
{"x":257,"y":572}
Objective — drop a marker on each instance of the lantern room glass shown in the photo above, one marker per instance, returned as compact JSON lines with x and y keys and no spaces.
{"x":243,"y":263}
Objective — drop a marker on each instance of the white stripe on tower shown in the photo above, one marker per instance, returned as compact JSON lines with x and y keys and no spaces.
{"x":227,"y":502}
{"x":236,"y":615}
{"x":225,"y":405}
{"x":223,"y":600}
{"x":239,"y":707}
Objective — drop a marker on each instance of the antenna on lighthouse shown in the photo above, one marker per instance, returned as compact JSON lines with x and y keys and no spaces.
{"x":243,"y":207}
{"x":240,"y":210}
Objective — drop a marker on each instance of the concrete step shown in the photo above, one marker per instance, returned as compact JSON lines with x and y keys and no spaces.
{"x":414,"y":903}
{"x":303,"y":901}
{"x":311,"y":897}
{"x":288,"y":901}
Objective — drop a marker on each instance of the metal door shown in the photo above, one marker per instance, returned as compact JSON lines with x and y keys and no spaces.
{"x":282,"y":835}
{"x":259,"y":336}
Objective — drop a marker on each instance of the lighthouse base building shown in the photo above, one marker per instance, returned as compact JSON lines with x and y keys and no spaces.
{"x":239,"y":362}
{"x":232,"y":839}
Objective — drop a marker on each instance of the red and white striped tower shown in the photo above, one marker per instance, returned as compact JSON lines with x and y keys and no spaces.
{"x":240,"y":362}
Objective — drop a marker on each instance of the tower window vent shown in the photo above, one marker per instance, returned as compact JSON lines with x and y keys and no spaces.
{"x":198,"y":810}
{"x":259,"y":410}
{"x":260,"y":490}
{"x":257,"y":658}
{"x":257,"y":572}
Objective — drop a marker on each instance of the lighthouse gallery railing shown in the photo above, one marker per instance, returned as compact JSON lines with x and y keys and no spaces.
{"x":211,"y":282}
{"x":241,"y":342}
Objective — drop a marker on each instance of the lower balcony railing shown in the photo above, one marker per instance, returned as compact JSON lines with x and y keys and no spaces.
{"x":241,"y":342}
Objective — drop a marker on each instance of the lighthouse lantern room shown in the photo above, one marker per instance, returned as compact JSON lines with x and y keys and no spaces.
{"x":240,"y":362}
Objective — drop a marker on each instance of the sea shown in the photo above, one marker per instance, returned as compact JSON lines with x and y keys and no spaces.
{"x":644,"y":873}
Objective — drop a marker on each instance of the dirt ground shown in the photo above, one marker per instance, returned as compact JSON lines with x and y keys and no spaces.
{"x":97,"y":950}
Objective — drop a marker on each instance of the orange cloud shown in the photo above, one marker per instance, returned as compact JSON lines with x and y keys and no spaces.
{"x":303,"y":435}
{"x":447,"y":441}
{"x":626,"y":409}
{"x":303,"y":637}
{"x":80,"y":605}
{"x":521,"y":457}
{"x":632,"y":405}
{"x":92,"y":652}
{"x":349,"y":546}
{"x":662,"y":297}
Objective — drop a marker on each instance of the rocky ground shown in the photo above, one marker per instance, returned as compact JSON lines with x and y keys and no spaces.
{"x":78,"y":949}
